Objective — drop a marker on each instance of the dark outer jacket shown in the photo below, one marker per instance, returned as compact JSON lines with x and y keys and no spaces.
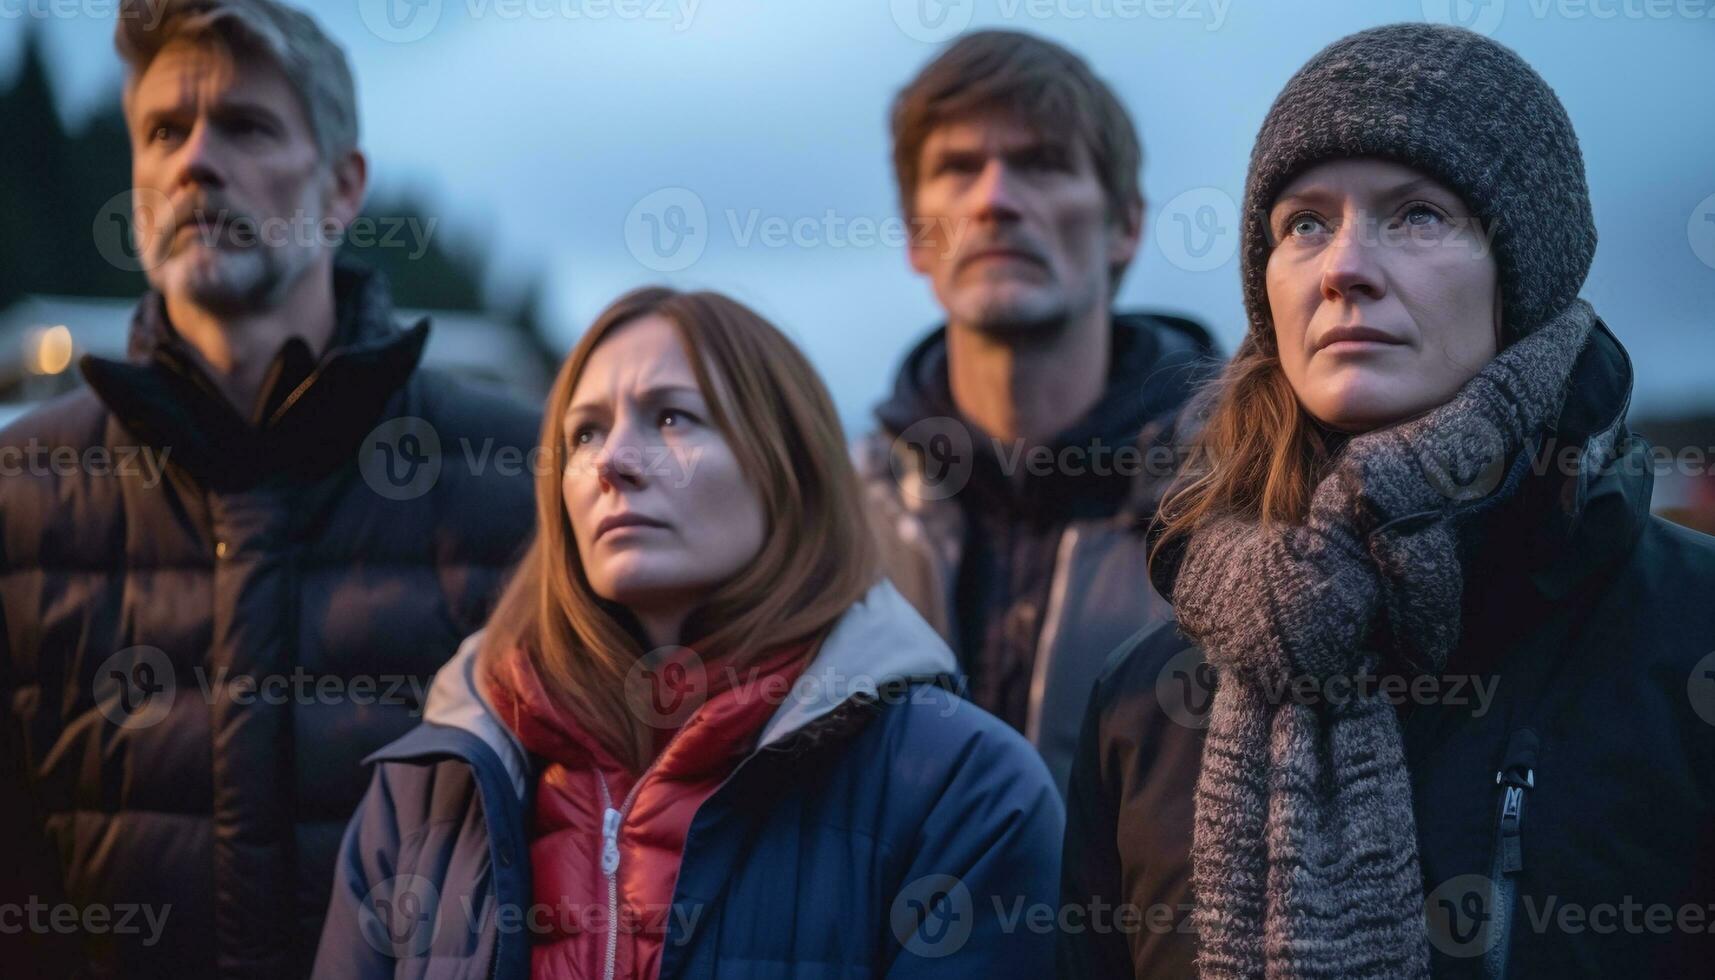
{"x":1032,"y":572}
{"x":1591,"y":623}
{"x":139,"y":605}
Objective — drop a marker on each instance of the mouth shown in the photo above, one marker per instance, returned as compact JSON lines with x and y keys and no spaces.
{"x":1356,"y":337}
{"x":1003,"y":254}
{"x":622,"y":523}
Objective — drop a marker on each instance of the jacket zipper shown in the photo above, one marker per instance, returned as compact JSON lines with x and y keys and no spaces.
{"x":1516,"y":775}
{"x":611,"y":819}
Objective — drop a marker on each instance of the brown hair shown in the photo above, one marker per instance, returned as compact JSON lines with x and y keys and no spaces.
{"x":1045,"y":86}
{"x":817,"y":559}
{"x":1255,"y":451}
{"x":314,"y":65}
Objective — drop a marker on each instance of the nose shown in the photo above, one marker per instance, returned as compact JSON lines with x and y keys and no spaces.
{"x":619,"y":461}
{"x":995,"y":194}
{"x":1351,"y":268}
{"x":199,"y":159}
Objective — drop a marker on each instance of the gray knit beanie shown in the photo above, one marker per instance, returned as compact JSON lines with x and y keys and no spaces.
{"x":1458,"y":107}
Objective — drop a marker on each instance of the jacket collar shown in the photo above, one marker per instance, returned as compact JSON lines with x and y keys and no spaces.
{"x":1156,"y":362}
{"x":312,"y":412}
{"x":880,"y":640}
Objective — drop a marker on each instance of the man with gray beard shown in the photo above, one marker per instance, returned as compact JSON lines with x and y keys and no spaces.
{"x":168,"y":763}
{"x":1028,"y":439}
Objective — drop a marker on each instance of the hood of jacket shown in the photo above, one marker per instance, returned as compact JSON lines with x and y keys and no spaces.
{"x":878,"y":641}
{"x":1156,"y":362}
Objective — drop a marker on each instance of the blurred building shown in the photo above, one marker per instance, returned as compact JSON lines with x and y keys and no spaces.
{"x":42,"y":337}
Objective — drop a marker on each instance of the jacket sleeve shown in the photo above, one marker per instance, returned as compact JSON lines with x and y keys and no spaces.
{"x":979,"y":896}
{"x":1090,"y":863}
{"x":353,"y":944}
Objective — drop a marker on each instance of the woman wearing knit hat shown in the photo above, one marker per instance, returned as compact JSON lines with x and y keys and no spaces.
{"x":1440,"y":698}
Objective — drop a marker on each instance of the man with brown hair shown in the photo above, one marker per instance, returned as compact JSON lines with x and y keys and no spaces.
{"x":197,"y":653}
{"x":1028,"y":439}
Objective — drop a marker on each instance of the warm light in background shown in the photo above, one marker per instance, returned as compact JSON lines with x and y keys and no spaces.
{"x":48,"y":349}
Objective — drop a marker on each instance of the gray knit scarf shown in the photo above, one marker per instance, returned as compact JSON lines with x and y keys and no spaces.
{"x":1305,"y":849}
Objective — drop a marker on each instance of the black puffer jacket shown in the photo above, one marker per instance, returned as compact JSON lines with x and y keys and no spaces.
{"x":1585,"y":672}
{"x":140,"y":605}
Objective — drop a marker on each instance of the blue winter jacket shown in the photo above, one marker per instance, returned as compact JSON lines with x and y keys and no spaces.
{"x":883,"y":827}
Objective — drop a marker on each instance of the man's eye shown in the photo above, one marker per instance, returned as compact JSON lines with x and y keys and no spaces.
{"x":163,"y":132}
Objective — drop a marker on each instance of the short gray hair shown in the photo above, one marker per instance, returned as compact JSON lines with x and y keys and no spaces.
{"x":312,"y":62}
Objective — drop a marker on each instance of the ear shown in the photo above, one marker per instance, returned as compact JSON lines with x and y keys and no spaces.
{"x":1125,"y":234}
{"x":350,"y":185}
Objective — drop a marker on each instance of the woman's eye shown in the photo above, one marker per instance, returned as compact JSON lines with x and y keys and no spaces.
{"x":1421,"y":214}
{"x":1304,"y":225}
{"x":583,"y":436}
{"x":672,"y":418}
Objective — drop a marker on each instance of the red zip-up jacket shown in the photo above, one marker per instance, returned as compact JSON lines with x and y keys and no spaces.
{"x":606,"y":898}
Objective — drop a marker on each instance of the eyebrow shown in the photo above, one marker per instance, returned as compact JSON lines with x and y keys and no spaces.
{"x":221,"y":109}
{"x":653,"y":394}
{"x":1314,"y":192}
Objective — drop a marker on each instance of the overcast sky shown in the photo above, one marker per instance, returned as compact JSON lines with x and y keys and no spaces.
{"x":741,"y":144}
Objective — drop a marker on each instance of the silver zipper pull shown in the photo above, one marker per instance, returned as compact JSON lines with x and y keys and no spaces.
{"x":609,"y":841}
